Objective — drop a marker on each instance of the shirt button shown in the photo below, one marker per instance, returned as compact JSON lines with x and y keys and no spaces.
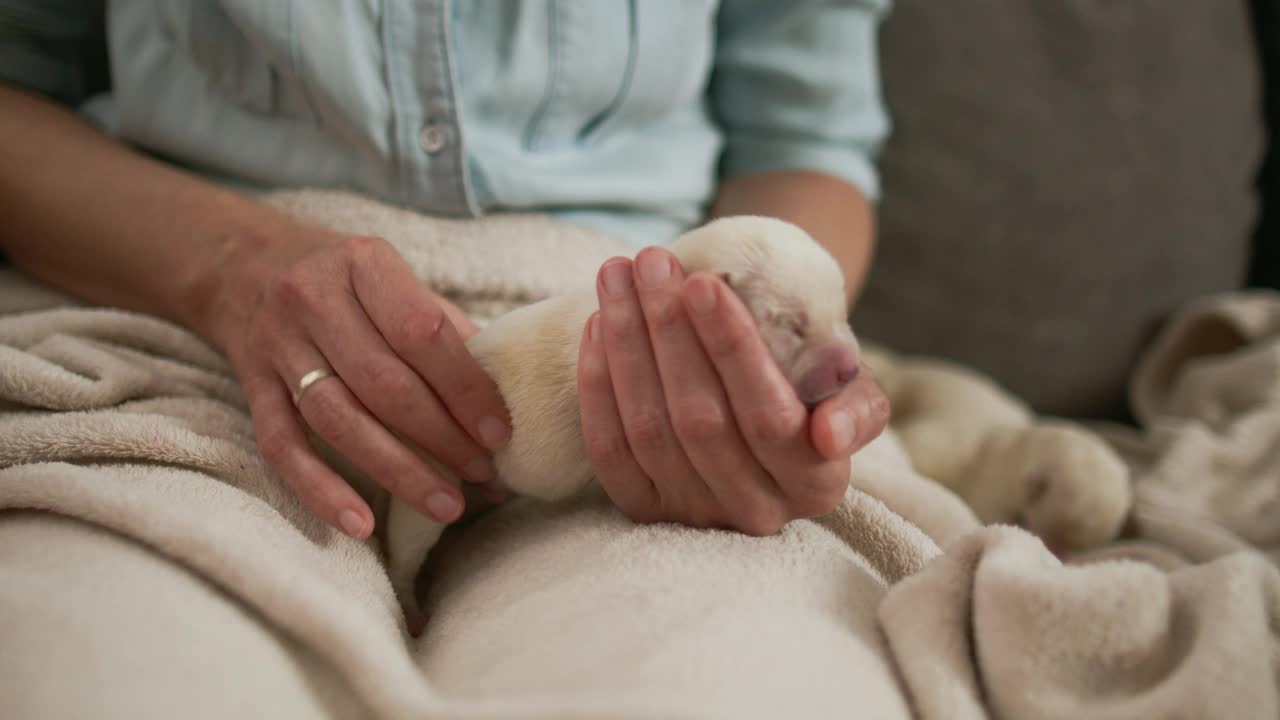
{"x":434,"y":137}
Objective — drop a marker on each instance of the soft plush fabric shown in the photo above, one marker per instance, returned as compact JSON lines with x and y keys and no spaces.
{"x":896,"y":605}
{"x":1061,"y":176}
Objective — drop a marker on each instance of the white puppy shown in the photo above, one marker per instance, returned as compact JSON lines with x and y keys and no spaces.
{"x":793,"y":288}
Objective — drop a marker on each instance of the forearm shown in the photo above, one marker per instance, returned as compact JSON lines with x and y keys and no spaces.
{"x":90,"y":216}
{"x":834,"y":212}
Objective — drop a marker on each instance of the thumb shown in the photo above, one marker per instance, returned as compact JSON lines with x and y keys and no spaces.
{"x":844,"y":424}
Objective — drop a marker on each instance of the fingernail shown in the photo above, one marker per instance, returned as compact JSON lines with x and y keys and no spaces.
{"x":493,"y":432}
{"x":480,"y":470}
{"x":702,"y":297}
{"x":444,"y":507}
{"x":654,"y":267}
{"x":593,"y":328}
{"x":351,"y":523}
{"x":617,"y":278}
{"x":842,"y":429}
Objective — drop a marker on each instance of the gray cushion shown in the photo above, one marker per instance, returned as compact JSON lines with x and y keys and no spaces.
{"x":1061,"y":176}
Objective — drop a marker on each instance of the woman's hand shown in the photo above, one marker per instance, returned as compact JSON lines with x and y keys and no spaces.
{"x":687,"y":417}
{"x":404,"y":382}
{"x":91,"y":216}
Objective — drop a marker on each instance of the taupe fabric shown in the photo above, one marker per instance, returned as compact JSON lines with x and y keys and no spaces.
{"x":1061,"y":176}
{"x":1207,"y":463}
{"x":897,"y":605}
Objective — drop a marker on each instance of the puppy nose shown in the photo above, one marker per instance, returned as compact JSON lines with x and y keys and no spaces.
{"x":835,"y":365}
{"x":846,"y":373}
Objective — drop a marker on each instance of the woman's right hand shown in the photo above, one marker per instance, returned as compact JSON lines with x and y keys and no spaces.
{"x":404,"y":382}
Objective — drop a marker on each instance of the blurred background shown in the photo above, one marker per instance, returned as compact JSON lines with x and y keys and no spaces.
{"x":1063,"y":175}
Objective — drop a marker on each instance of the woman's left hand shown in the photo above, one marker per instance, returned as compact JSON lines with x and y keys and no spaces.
{"x":687,"y":418}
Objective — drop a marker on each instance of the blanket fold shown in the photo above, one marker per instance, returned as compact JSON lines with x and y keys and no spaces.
{"x":897,"y":605}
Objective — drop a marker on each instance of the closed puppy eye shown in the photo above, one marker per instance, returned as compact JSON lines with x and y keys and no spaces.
{"x":798,"y":325}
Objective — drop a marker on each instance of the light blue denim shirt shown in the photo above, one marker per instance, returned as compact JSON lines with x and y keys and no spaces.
{"x":620,"y":114}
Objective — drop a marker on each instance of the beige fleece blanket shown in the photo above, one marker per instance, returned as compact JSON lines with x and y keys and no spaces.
{"x":897,"y":605}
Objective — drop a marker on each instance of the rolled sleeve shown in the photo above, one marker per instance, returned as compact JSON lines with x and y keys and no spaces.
{"x":796,"y":86}
{"x":42,"y":45}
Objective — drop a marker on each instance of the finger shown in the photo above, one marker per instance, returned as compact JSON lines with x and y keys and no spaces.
{"x":641,"y":402}
{"x":771,"y":418}
{"x":335,"y":415}
{"x":769,"y":415}
{"x":619,"y":474}
{"x":418,"y":328}
{"x":846,"y":422}
{"x":285,"y":447}
{"x":698,"y":406}
{"x":393,"y":391}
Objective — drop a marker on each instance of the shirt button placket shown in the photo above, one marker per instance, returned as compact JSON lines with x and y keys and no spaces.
{"x":434,"y":137}
{"x":434,"y":175}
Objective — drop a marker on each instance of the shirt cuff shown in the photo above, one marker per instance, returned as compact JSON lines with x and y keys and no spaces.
{"x":751,"y":153}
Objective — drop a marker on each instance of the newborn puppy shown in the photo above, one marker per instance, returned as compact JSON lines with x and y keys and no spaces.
{"x":793,"y":288}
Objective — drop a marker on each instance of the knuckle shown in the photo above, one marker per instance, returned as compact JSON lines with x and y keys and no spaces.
{"x":474,"y":390}
{"x":292,"y":289}
{"x":759,"y":515}
{"x":624,"y":328}
{"x":593,"y":375}
{"x":408,"y":480}
{"x":394,"y":483}
{"x":772,"y":423}
{"x":663,"y":314}
{"x":607,"y":450}
{"x":699,"y":423}
{"x":421,"y":328}
{"x":823,"y":495}
{"x":274,"y":444}
{"x":390,"y":385}
{"x":327,"y":417}
{"x":761,"y":523}
{"x":643,"y":514}
{"x":318,"y":492}
{"x":264,"y":335}
{"x":700,"y":518}
{"x":647,"y":431}
{"x":361,"y":247}
{"x":729,"y":340}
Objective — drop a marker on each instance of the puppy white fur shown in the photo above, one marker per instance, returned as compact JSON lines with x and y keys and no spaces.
{"x":793,"y":288}
{"x":1050,"y":476}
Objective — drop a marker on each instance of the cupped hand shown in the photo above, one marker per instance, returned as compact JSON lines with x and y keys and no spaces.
{"x":404,"y":383}
{"x":687,"y":417}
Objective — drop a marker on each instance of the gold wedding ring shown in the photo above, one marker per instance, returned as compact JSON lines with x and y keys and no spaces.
{"x":308,"y":380}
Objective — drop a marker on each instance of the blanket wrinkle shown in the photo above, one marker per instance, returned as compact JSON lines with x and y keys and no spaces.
{"x":899,"y":604}
{"x":1206,"y":460}
{"x":1113,"y":639}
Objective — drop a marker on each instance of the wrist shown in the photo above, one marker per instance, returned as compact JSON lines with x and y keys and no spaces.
{"x":237,"y":264}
